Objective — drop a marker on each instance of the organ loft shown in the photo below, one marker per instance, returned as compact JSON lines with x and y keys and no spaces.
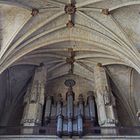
{"x":70,"y":115}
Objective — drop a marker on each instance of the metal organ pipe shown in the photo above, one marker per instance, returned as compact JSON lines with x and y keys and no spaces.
{"x":59,"y":116}
{"x":91,"y":104}
{"x":59,"y":125}
{"x":48,"y":109}
{"x":80,"y":124}
{"x":70,"y":109}
{"x":81,"y":104}
{"x":70,"y":99}
{"x":70,"y":127}
{"x":80,"y":114}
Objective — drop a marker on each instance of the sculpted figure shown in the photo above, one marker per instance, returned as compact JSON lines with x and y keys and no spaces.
{"x":34,"y":100}
{"x":104,"y":98}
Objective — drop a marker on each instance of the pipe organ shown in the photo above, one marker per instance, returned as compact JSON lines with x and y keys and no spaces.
{"x":70,"y":115}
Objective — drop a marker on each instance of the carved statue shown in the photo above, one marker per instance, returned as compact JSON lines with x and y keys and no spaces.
{"x":104,"y":99}
{"x":34,"y":100}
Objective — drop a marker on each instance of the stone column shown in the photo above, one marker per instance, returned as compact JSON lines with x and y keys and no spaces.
{"x":34,"y":101}
{"x":105,"y":101}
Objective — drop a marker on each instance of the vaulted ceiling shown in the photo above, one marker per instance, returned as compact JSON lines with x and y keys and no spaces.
{"x":97,"y":31}
{"x":71,"y":35}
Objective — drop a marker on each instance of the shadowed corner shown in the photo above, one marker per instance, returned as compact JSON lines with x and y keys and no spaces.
{"x":0,"y":30}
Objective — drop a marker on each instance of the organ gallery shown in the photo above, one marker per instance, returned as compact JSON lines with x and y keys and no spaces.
{"x":70,"y":114}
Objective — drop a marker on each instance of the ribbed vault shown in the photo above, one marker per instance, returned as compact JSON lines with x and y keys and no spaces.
{"x":96,"y":30}
{"x":99,"y":31}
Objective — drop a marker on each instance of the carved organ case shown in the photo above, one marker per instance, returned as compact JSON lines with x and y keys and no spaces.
{"x":70,"y":117}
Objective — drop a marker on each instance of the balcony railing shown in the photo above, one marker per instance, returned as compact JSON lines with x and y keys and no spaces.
{"x":120,"y":131}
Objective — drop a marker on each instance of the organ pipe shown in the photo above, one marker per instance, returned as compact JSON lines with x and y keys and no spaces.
{"x":70,"y":109}
{"x":70,"y":99}
{"x":48,"y":109}
{"x":80,"y":124}
{"x":70,"y":105}
{"x":81,"y":104}
{"x":70,"y":127}
{"x":91,"y":104}
{"x":80,"y":115}
{"x":59,"y":116}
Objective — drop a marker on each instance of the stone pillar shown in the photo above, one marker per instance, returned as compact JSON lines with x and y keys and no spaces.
{"x":105,"y":101}
{"x":34,"y":101}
